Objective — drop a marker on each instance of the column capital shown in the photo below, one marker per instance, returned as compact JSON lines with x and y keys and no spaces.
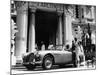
{"x":22,"y":7}
{"x":32,"y":9}
{"x":68,"y":12}
{"x":21,"y":4}
{"x":59,"y":13}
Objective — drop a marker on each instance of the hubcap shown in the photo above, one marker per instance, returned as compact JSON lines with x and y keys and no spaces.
{"x":48,"y":63}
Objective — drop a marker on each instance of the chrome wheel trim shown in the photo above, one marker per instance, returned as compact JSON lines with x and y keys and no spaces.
{"x":48,"y":64}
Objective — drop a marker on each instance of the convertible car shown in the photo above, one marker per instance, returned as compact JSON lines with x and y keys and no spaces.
{"x":48,"y":58}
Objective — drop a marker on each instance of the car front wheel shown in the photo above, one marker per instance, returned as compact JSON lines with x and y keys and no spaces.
{"x":30,"y":66}
{"x":47,"y":62}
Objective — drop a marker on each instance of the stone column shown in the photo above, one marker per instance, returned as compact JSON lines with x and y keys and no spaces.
{"x":93,"y":12}
{"x":21,"y":35}
{"x":32,"y":32}
{"x":67,"y":28}
{"x":60,"y":29}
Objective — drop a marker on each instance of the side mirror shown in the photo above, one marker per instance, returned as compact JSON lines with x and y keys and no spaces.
{"x":69,"y":50}
{"x":67,"y":47}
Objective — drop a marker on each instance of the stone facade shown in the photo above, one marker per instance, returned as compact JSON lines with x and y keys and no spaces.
{"x":67,"y":22}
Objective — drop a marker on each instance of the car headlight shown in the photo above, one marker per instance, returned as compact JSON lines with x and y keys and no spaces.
{"x":23,"y":55}
{"x":37,"y":57}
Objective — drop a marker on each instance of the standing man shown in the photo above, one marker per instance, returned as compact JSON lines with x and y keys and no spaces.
{"x":81,"y":54}
{"x":43,"y":46}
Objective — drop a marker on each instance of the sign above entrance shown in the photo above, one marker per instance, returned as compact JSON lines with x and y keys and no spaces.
{"x":59,"y":7}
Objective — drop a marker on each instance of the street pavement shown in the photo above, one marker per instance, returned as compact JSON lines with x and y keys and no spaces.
{"x":55,"y":68}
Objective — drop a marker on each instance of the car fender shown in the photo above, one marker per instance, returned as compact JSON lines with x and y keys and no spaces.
{"x":43,"y":54}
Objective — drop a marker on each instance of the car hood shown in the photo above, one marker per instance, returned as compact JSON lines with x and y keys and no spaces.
{"x":48,"y":51}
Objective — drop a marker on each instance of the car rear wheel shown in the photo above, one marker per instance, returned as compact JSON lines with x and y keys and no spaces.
{"x":47,"y":62}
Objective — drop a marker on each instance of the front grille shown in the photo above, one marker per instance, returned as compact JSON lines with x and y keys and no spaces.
{"x":28,"y":58}
{"x":25,"y":59}
{"x":37,"y":59}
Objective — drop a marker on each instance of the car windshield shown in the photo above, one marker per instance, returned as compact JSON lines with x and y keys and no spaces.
{"x":57,"y":47}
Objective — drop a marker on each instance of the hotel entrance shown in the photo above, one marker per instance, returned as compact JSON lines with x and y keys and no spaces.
{"x":46,"y":24}
{"x":41,"y":23}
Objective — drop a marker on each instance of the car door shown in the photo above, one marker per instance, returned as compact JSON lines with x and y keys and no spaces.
{"x":67,"y":56}
{"x":58,"y":55}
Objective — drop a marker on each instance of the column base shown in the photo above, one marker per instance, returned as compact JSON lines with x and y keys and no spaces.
{"x":19,"y":60}
{"x":13,"y":60}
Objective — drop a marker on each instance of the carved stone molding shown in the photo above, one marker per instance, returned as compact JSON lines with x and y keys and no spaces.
{"x":68,"y":10}
{"x":59,"y":13}
{"x":22,"y":11}
{"x":21,"y":6}
{"x":46,"y":5}
{"x":32,"y":9}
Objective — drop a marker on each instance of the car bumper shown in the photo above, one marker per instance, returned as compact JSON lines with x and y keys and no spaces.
{"x":33,"y":63}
